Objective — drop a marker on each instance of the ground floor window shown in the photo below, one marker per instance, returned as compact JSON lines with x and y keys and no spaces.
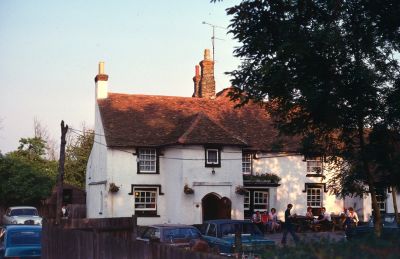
{"x":256,"y":200}
{"x":145,"y":201}
{"x":246,"y":202}
{"x":314,"y":197}
{"x":381,"y":199}
{"x":261,"y":200}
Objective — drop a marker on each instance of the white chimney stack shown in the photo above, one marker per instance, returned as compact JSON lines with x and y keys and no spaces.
{"x":101,"y":81}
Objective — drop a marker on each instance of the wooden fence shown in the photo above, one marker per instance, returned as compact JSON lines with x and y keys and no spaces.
{"x":112,"y":238}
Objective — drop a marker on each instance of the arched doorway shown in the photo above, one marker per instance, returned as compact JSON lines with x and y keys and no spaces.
{"x":215,"y":207}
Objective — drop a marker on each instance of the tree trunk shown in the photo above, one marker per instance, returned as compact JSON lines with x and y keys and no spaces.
{"x":371,"y":182}
{"x":60,"y":178}
{"x":394,"y":197}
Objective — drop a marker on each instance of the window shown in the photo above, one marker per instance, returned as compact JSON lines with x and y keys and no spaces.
{"x":213,"y":157}
{"x":314,"y":197}
{"x":147,"y":160}
{"x":146,"y":201}
{"x":314,"y":165}
{"x":246,"y":201}
{"x":246,"y":163}
{"x":381,"y":202}
{"x":261,"y":201}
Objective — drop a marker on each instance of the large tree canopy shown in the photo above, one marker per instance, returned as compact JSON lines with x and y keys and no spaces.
{"x":26,"y":177}
{"x":328,"y":69}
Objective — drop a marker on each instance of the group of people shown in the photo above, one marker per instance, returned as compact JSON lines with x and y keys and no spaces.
{"x":267,"y":221}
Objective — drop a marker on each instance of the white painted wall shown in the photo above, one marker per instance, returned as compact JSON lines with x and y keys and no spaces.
{"x":293,"y":170}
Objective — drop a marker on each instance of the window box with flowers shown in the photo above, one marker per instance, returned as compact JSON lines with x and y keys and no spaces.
{"x":187,"y":189}
{"x":240,"y":190}
{"x":266,"y":178}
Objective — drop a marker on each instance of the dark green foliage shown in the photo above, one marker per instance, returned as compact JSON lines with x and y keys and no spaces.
{"x":77,"y":155}
{"x":329,"y":71}
{"x":26,"y":178}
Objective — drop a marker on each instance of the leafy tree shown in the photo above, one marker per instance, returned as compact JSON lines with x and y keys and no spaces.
{"x":327,"y":68}
{"x":26,"y":178}
{"x":78,"y":150}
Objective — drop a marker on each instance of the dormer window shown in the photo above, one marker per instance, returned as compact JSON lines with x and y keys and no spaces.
{"x":213,"y":157}
{"x":314,"y":165}
{"x":147,"y":160}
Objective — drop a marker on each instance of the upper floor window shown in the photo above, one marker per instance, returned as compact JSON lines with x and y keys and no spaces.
{"x":213,"y":157}
{"x":314,"y":165}
{"x":246,"y":163}
{"x":147,"y":160}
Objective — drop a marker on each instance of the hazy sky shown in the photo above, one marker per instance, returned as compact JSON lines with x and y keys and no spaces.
{"x":50,"y":49}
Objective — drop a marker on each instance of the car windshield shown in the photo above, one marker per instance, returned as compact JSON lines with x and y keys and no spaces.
{"x":23,"y":212}
{"x":180,"y":233}
{"x":23,"y":237}
{"x":245,"y":228}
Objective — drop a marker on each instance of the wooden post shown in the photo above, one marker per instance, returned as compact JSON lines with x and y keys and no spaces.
{"x":60,"y":178}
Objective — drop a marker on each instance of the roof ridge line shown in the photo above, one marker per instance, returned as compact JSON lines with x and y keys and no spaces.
{"x":183,"y":137}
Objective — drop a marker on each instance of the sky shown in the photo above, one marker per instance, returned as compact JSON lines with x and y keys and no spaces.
{"x":50,"y":49}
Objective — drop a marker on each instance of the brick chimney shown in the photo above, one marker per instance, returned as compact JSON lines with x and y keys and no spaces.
{"x":207,"y":81}
{"x":101,"y":81}
{"x":196,"y":81}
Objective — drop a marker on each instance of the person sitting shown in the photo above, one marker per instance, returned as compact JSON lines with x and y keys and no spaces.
{"x":273,"y":221}
{"x":323,"y":221}
{"x":309,"y":214}
{"x":257,"y":220}
{"x":264,"y":221}
{"x":351,"y":218}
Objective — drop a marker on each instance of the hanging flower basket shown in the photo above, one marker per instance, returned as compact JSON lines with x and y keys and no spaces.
{"x":188,"y":190}
{"x":240,"y":190}
{"x":113,"y":188}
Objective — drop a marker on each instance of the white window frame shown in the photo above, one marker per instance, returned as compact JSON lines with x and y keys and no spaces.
{"x":212,"y":162}
{"x":381,"y":200}
{"x":147,"y":159}
{"x":314,"y":165}
{"x":246,"y":200}
{"x":147,"y":195}
{"x":312,"y":197}
{"x":246,"y":163}
{"x":261,"y":198}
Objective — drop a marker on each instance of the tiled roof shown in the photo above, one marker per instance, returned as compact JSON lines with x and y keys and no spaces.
{"x":149,"y":120}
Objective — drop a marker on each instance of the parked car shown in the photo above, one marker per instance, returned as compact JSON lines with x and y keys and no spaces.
{"x":390,"y":228}
{"x":220,"y":234}
{"x":176,"y":235}
{"x":20,"y":241}
{"x":22,"y":215}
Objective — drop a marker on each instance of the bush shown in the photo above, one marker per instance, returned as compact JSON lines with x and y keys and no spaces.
{"x":363,"y":248}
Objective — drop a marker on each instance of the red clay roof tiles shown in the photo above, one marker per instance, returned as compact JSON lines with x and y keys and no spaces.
{"x":148,"y":120}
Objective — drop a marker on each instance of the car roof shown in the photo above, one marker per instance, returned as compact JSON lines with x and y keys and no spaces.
{"x":22,"y":227}
{"x":22,"y":207}
{"x":171,"y":226}
{"x":227,"y":221}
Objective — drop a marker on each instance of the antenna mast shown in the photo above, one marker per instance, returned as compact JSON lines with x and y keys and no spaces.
{"x":213,"y":38}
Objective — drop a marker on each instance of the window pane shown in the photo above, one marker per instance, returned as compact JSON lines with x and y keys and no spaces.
{"x":147,"y":160}
{"x":246,"y":163}
{"x":261,"y":201}
{"x":314,"y":197}
{"x":212,"y":156}
{"x":146,"y":199}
